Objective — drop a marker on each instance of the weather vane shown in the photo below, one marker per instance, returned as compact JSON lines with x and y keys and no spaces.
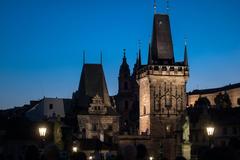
{"x":167,"y":6}
{"x":155,"y":7}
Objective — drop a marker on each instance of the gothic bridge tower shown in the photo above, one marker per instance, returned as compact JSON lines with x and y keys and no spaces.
{"x":162,"y":88}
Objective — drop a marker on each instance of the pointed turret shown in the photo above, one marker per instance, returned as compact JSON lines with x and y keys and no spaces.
{"x":185,"y":55}
{"x":139,"y":58}
{"x":149,"y":55}
{"x":124,"y":68}
{"x":138,"y":63}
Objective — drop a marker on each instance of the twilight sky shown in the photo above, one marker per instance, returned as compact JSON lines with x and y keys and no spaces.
{"x":41,"y":42}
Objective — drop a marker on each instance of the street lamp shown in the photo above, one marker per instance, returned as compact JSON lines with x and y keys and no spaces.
{"x":90,"y":158}
{"x":42,"y":131}
{"x":151,"y":158}
{"x":210,"y":131}
{"x":75,"y":149}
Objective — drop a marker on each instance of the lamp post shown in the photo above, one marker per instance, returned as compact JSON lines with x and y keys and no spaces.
{"x":210,"y":132}
{"x":42,"y":133}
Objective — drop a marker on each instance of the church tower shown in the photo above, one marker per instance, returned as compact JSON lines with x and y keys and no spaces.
{"x":126,"y":100}
{"x":124,"y":76}
{"x":162,"y":88}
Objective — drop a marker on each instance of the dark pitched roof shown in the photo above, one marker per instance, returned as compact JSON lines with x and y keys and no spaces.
{"x":92,"y":82}
{"x":161,"y":46}
{"x":213,"y":90}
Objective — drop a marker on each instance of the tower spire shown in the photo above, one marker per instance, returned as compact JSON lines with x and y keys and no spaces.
{"x":83,"y":56}
{"x":139,"y":57}
{"x":101,"y":58}
{"x":139,"y":53}
{"x":185,"y":53}
{"x":149,"y":55}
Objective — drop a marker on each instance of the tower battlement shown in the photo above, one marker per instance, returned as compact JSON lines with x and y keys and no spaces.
{"x":163,"y":70}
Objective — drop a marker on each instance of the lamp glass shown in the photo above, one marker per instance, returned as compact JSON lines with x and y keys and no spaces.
{"x":75,"y":149}
{"x":42,"y":131}
{"x":210,"y":130}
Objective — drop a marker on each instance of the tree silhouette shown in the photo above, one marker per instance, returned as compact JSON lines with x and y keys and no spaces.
{"x":202,"y":102}
{"x":223,"y":100}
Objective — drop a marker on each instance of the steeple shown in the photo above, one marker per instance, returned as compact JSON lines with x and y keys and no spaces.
{"x":124,"y":75}
{"x":185,"y":55}
{"x":124,"y":68}
{"x":149,"y":55}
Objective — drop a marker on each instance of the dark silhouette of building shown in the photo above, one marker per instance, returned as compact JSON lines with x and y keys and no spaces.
{"x":127,"y":102}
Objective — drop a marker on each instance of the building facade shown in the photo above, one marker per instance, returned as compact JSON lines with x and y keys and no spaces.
{"x":96,"y":115}
{"x":233,"y":91}
{"x":47,"y":108}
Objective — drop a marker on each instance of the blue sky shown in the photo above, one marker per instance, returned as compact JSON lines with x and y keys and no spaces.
{"x":41,"y":42}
